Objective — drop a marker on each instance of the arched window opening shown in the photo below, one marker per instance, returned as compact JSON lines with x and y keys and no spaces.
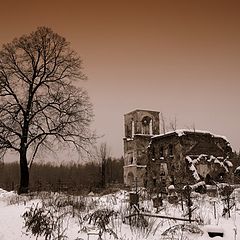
{"x":161,"y":152}
{"x":146,"y":125}
{"x":154,"y":182}
{"x":153,"y":153}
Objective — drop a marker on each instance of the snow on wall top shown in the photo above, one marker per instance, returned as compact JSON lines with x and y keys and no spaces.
{"x":181,"y":132}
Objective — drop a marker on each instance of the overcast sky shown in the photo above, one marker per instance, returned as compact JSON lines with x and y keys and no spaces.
{"x":181,"y":58}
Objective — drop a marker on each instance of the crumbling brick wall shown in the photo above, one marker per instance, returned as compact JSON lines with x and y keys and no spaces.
{"x":173,"y":150}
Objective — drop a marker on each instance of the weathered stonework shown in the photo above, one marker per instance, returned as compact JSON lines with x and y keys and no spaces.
{"x":189,"y":157}
{"x":180,"y":157}
{"x":140,"y":126}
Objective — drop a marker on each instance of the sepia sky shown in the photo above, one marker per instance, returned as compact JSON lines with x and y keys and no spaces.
{"x":179,"y":57}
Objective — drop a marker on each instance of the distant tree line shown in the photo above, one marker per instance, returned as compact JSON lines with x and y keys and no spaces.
{"x":74,"y":178}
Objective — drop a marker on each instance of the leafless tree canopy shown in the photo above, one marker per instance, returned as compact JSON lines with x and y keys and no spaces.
{"x":39,"y":104}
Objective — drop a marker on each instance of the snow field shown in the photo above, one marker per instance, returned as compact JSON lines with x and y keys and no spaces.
{"x":76,"y":223}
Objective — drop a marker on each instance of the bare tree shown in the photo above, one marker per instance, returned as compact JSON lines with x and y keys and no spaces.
{"x":39,"y":104}
{"x":173,"y":124}
{"x":166,"y":126}
{"x":104,"y":153}
{"x":191,"y":127}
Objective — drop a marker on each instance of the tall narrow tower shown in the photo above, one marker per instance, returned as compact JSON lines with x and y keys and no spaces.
{"x":140,"y":126}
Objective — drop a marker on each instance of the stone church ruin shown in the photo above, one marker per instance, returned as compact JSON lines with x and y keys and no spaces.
{"x":175,"y":158}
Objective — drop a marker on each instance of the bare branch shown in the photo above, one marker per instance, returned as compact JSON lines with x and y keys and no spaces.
{"x":39,"y":105}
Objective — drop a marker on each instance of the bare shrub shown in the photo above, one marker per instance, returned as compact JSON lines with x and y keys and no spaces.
{"x":50,"y":218}
{"x":40,"y":221}
{"x":102,"y":219}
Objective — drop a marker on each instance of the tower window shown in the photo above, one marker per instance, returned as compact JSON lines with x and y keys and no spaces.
{"x":161,"y":152}
{"x":161,"y":170}
{"x":146,"y":125}
{"x":154,"y":182}
{"x":153,"y":153}
{"x":170,"y":150}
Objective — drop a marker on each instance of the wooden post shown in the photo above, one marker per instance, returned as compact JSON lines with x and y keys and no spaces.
{"x":214,"y":208}
{"x":182,"y":201}
{"x":228,"y":204}
{"x":187,"y":193}
{"x":136,"y":184}
{"x":158,"y":216}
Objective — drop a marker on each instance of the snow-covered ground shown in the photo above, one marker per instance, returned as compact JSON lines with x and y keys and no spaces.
{"x":84,"y":222}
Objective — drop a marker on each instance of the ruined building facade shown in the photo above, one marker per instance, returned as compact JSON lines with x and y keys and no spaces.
{"x":187,"y":157}
{"x":140,"y":126}
{"x":179,"y":157}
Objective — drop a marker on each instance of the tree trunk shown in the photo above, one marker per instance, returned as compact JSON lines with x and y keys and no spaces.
{"x":24,"y":173}
{"x":103,"y":172}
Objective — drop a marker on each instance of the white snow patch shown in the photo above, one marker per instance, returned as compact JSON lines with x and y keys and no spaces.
{"x":214,"y":229}
{"x":229,"y":164}
{"x":195,"y":173}
{"x":189,"y":159}
{"x":217,"y":160}
{"x":194,"y":186}
{"x":238,"y":168}
{"x":171,"y":187}
{"x":182,"y":132}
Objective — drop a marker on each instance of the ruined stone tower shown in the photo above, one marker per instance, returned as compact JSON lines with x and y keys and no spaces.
{"x":140,"y":126}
